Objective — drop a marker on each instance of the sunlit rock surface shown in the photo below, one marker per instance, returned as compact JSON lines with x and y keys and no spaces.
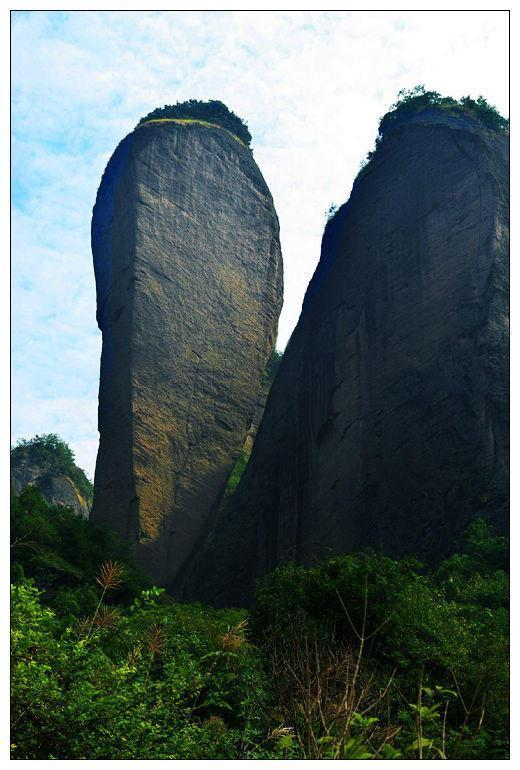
{"x":188,"y":269}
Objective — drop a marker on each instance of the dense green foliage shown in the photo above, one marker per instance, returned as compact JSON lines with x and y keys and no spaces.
{"x":61,"y":552}
{"x":112,"y":668}
{"x":55,"y":458}
{"x":104,"y":666}
{"x":431,"y":632}
{"x":150,"y":682}
{"x":212,"y":111}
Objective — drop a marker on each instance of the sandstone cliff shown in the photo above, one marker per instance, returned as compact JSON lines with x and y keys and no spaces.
{"x":387,"y":425}
{"x":189,"y":288}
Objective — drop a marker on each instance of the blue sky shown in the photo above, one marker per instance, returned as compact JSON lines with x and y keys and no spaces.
{"x":311,"y":85}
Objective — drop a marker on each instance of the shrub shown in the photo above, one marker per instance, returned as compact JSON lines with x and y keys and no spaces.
{"x":104,"y":667}
{"x":236,"y":474}
{"x":212,"y":111}
{"x":239,"y":467}
{"x":272,"y":367}
{"x":412,"y":101}
{"x":441,"y":632}
{"x":415,"y":100}
{"x":361,"y":656}
{"x":156,"y":682}
{"x":61,"y":552}
{"x":331,"y":212}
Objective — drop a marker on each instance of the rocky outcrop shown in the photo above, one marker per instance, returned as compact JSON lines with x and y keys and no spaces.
{"x":387,"y":424}
{"x":189,"y":288}
{"x":57,"y":489}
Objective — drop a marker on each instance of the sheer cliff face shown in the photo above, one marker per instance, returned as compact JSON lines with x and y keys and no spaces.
{"x":189,"y":282}
{"x":387,"y":425}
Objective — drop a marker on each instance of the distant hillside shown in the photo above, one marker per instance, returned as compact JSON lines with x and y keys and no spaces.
{"x":47,"y":463}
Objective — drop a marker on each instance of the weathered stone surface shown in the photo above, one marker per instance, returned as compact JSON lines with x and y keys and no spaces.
{"x":56,"y":489}
{"x":265,"y":386}
{"x":387,"y":424}
{"x":189,"y":281}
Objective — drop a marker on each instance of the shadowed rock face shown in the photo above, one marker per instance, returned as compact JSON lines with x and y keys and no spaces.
{"x":387,"y":424}
{"x":189,"y":287}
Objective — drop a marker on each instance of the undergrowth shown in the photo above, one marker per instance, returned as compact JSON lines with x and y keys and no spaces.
{"x":358,"y":657}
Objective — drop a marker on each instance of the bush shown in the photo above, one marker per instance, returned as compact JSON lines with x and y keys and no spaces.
{"x":212,"y":111}
{"x":106,"y":667}
{"x":412,"y":101}
{"x":417,"y":99}
{"x":429,"y":633}
{"x":239,"y":467}
{"x":272,"y":367}
{"x":61,"y":552}
{"x":158,"y":682}
{"x":236,"y":474}
{"x":358,"y":657}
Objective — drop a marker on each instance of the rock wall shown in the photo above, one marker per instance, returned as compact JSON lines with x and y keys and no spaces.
{"x":189,"y":287}
{"x":387,"y":424}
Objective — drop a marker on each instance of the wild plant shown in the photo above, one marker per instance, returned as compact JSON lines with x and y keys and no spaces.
{"x":109,"y":577}
{"x":155,"y":641}
{"x":326,"y":692}
{"x":107,"y":617}
{"x":233,"y":639}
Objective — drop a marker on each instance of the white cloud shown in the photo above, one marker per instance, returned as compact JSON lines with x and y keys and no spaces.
{"x":312,"y":86}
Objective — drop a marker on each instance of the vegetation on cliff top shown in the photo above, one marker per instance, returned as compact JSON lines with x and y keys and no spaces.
{"x":358,"y":657}
{"x":210,"y":112}
{"x":412,"y":101}
{"x":55,"y":458}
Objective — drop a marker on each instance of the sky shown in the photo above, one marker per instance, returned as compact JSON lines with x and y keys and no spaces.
{"x":311,"y":86}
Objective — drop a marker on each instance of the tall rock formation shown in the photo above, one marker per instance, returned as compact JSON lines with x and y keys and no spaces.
{"x":387,"y":424}
{"x":188,"y":269}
